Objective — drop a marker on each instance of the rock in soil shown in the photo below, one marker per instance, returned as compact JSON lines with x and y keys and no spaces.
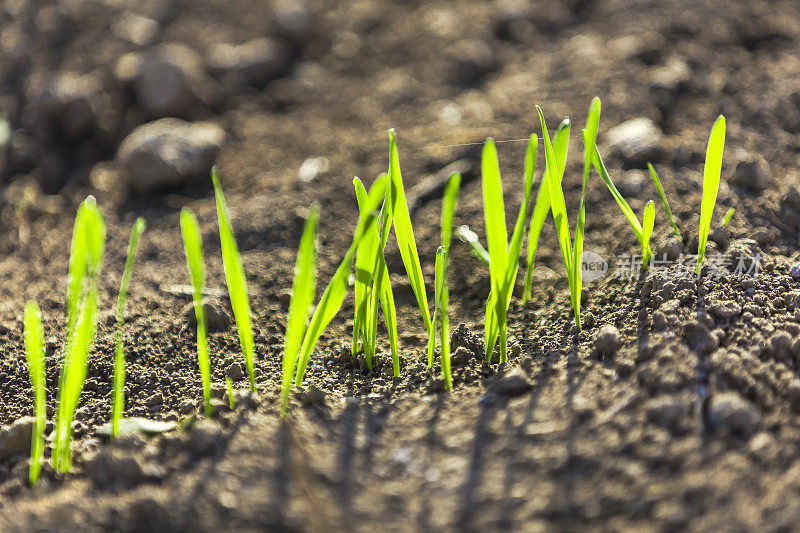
{"x":311,"y":397}
{"x":255,"y":62}
{"x":699,"y":337}
{"x":725,"y":309}
{"x":169,"y":152}
{"x":15,"y":439}
{"x":110,"y":466}
{"x":637,"y":142}
{"x":730,"y":411}
{"x":752,"y":173}
{"x":169,"y":80}
{"x":607,"y":341}
{"x":513,"y":383}
{"x":205,"y":438}
{"x":217,"y":317}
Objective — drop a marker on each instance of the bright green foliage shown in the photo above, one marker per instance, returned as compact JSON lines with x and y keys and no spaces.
{"x":711,"y":175}
{"x":449,"y":201}
{"x":471,"y":238}
{"x":229,"y":387}
{"x":728,"y":216}
{"x":541,"y":206}
{"x":119,"y":350}
{"x":303,"y":288}
{"x":86,"y":259}
{"x":642,"y":236}
{"x":440,"y":313}
{"x":664,"y":201}
{"x":373,"y":286}
{"x":193,"y":248}
{"x":334,"y":294}
{"x":504,"y":258}
{"x":34,"y":353}
{"x":559,"y":210}
{"x":407,"y":245}
{"x":235,"y":279}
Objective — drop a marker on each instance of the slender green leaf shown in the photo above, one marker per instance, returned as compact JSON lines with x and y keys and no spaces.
{"x":34,"y":353}
{"x":303,"y":288}
{"x":334,"y":294}
{"x":664,"y":201}
{"x":406,"y":242}
{"x":449,"y":200}
{"x":193,"y":248}
{"x":648,"y":220}
{"x":118,"y":404}
{"x":235,"y":279}
{"x":541,"y":206}
{"x":711,"y":175}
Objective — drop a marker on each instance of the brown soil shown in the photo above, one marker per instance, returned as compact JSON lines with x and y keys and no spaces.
{"x":689,"y":424}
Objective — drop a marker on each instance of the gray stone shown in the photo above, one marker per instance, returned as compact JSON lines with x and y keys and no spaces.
{"x":169,"y":80}
{"x":255,"y":62}
{"x":206,"y":437}
{"x":513,"y":383}
{"x":110,"y":466}
{"x":729,"y":410}
{"x":311,"y":397}
{"x":752,"y":173}
{"x":234,"y":371}
{"x":725,"y":309}
{"x":15,"y":439}
{"x":217,"y":317}
{"x":636,"y":141}
{"x":699,"y":337}
{"x":667,"y":411}
{"x":169,"y":152}
{"x":67,"y":106}
{"x":607,"y":341}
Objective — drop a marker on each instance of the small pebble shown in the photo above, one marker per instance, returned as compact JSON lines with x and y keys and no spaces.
{"x":607,"y":341}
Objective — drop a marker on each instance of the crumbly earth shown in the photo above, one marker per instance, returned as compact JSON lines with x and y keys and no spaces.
{"x":673,"y":408}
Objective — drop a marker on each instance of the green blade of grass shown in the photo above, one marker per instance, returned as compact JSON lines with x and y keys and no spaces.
{"x":334,"y":294}
{"x":589,"y":134}
{"x":75,"y":377}
{"x":440,"y":312}
{"x":193,"y":248}
{"x":728,"y":216}
{"x":711,"y":175}
{"x":235,"y":279}
{"x":86,"y":258}
{"x":118,"y":404}
{"x":303,"y":288}
{"x":406,"y":242}
{"x":34,"y":354}
{"x":559,"y":210}
{"x":664,"y":201}
{"x":648,"y":221}
{"x":541,"y":206}
{"x":497,"y":240}
{"x":449,"y":201}
{"x":597,"y":160}
{"x":365,"y":305}
{"x":514,"y":251}
{"x":470,"y":237}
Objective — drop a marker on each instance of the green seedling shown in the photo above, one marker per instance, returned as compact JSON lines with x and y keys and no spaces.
{"x":86,"y":259}
{"x":193,"y":248}
{"x":541,"y":206}
{"x":229,"y":387}
{"x":470,"y":237}
{"x":235,"y":279}
{"x":303,"y":288}
{"x":373,"y":286}
{"x":34,"y":353}
{"x":711,"y":175}
{"x":643,"y":230}
{"x":664,"y":201}
{"x":407,"y":245}
{"x":726,"y":220}
{"x":503,"y":258}
{"x":118,"y":404}
{"x":333,"y":297}
{"x":572,"y":251}
{"x":442,"y":295}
